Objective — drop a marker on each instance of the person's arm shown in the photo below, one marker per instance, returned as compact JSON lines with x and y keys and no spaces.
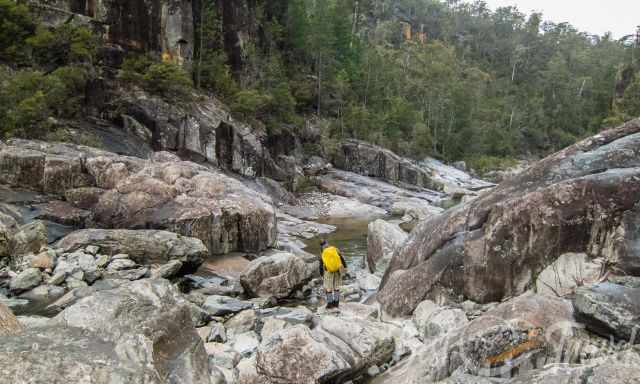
{"x":344,"y":263}
{"x":320,"y":266}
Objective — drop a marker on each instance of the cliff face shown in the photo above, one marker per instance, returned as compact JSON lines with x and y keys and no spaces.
{"x":164,"y":26}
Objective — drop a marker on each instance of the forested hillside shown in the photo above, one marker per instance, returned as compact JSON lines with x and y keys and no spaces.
{"x":450,"y":79}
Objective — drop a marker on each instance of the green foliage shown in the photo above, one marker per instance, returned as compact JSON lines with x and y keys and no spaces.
{"x":250,"y":103}
{"x":630,"y":103}
{"x":169,"y":80}
{"x":15,"y":27}
{"x":165,"y":79}
{"x":484,"y":164}
{"x":134,"y":67}
{"x":215,"y":75}
{"x":30,"y":99}
{"x":66,"y":44}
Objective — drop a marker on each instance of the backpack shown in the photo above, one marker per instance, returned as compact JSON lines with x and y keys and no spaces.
{"x":331,"y":260}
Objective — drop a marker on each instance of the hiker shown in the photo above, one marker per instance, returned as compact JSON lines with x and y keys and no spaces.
{"x":332,"y":267}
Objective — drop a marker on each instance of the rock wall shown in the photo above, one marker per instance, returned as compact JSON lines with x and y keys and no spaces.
{"x":494,"y":246}
{"x":373,"y":161}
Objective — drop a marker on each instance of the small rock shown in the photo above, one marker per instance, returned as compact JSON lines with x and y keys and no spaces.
{"x":198,"y":316}
{"x":433,"y":320}
{"x":293,"y":316}
{"x":244,"y":321}
{"x":168,"y":270}
{"x":121,"y":264}
{"x":222,"y":305}
{"x":44,"y":260}
{"x":246,"y":343}
{"x":26,"y":280}
{"x":56,"y":279}
{"x":217,"y":333}
{"x":73,"y":283}
{"x":43,"y":294}
{"x":129,"y":274}
{"x":373,"y":370}
{"x":271,"y":326}
{"x":92,"y":249}
{"x":65,"y":268}
{"x":120,"y":256}
{"x":203,"y":332}
{"x":78,"y":275}
{"x":103,"y":261}
{"x":221,"y":355}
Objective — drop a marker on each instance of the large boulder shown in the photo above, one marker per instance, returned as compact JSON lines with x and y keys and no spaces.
{"x":293,"y":355}
{"x":335,"y":351}
{"x":146,"y":322}
{"x":567,"y":273}
{"x":30,"y":238}
{"x":620,"y":368}
{"x":625,"y":251}
{"x":9,"y":324}
{"x":277,"y":274}
{"x":129,"y":193}
{"x":433,"y":321}
{"x":138,"y":333}
{"x":383,"y":239}
{"x":517,"y":335}
{"x":572,"y":201}
{"x":8,"y":227}
{"x":143,"y":246}
{"x":69,"y":355}
{"x":380,"y":193}
{"x":193,"y":201}
{"x":610,"y":310}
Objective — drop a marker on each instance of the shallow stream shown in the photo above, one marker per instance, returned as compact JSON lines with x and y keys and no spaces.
{"x":350,"y":238}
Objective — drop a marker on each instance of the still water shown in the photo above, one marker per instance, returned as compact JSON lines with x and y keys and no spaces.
{"x":350,"y":238}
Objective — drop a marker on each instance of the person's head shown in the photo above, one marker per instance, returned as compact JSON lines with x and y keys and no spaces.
{"x":324,"y":244}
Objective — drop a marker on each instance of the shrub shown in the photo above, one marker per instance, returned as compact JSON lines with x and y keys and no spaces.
{"x":29,"y":99}
{"x":215,"y":75}
{"x":15,"y":27}
{"x":164,"y":79}
{"x":251,"y":103}
{"x":484,"y":164}
{"x":63,"y":45}
{"x":134,"y":67}
{"x":167,"y":79}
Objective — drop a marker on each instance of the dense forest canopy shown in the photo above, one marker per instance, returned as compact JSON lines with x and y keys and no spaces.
{"x":455,"y":80}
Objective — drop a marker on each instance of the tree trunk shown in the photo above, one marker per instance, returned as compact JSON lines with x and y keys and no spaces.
{"x":201,"y":51}
{"x":230,"y":29}
{"x":319,"y":82}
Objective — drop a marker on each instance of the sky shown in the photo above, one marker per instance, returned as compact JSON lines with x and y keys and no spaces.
{"x":621,"y":17}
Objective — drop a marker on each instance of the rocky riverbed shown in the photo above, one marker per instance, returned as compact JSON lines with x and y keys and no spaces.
{"x":120,"y":269}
